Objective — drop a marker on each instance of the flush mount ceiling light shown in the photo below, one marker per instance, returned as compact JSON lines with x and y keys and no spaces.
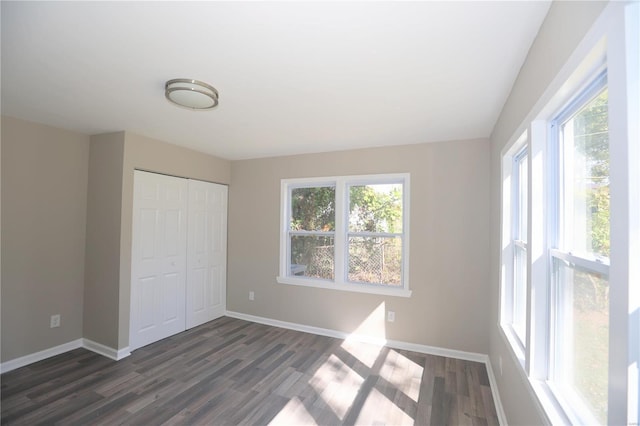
{"x":192,"y":94}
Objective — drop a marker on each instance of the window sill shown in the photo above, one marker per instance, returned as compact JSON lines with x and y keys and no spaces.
{"x":551,"y":407}
{"x":514,"y":342}
{"x":342,"y":286}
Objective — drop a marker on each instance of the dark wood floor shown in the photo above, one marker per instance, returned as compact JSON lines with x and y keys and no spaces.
{"x":237,"y":372}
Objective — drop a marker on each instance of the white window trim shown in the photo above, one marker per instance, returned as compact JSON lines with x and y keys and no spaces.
{"x":340,"y":282}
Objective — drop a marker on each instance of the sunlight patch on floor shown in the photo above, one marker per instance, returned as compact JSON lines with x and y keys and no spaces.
{"x":403,"y":373}
{"x":366,"y":353}
{"x":294,"y":413}
{"x":378,"y":409}
{"x":337,"y":385}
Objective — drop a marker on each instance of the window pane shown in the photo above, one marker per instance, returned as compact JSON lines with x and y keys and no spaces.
{"x":375,"y":208}
{"x":582,"y":337}
{"x":375,"y":260}
{"x":586,"y":179}
{"x":312,"y":256}
{"x":313,"y":209}
{"x":523,"y":190}
{"x":520,"y":293}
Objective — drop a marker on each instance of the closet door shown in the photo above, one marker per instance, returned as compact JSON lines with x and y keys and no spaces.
{"x":158,"y":266}
{"x":206,"y":252}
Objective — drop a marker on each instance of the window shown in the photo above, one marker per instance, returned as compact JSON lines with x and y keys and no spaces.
{"x":515,"y":213}
{"x":311,"y":232}
{"x":346,"y":233}
{"x":375,"y":234}
{"x":579,"y":252}
{"x":581,"y":351}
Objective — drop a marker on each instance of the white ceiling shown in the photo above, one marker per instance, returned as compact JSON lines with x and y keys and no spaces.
{"x":293,"y":77}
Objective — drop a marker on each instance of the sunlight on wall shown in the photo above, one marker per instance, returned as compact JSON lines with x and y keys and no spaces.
{"x":372,"y":329}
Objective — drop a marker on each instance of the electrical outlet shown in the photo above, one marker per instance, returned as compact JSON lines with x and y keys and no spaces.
{"x":391,"y":316}
{"x":55,"y":321}
{"x":252,"y":295}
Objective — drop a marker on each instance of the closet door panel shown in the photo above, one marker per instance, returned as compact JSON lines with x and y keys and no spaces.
{"x":206,"y":252}
{"x":158,"y":266}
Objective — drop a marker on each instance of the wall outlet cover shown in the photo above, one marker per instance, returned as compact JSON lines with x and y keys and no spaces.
{"x":55,"y":321}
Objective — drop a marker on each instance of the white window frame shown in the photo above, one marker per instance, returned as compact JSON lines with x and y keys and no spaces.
{"x":560,"y":157}
{"x":512,"y":241}
{"x":289,"y":232}
{"x":613,"y":42}
{"x":520,"y":235}
{"x":340,"y":282}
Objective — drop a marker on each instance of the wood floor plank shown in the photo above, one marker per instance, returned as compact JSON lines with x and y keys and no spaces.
{"x":234,"y":372}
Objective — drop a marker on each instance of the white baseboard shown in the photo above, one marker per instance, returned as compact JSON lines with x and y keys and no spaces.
{"x":103,"y":350}
{"x":502,"y":417}
{"x":425,"y":349}
{"x":39,"y":356}
{"x":307,"y":328}
{"x":98,"y":348}
{"x":431,"y":350}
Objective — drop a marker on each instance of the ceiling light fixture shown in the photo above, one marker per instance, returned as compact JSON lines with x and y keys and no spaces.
{"x":192,"y":94}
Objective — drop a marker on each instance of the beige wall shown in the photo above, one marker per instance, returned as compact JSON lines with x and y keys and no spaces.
{"x":102,"y":268}
{"x":563,"y":28}
{"x":448,"y":243}
{"x":44,"y":194}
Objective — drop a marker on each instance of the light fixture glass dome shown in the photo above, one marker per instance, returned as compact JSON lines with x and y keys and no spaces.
{"x":192,"y":94}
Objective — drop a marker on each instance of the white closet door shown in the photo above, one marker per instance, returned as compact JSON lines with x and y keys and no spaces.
{"x":158,"y":266}
{"x":206,"y":252}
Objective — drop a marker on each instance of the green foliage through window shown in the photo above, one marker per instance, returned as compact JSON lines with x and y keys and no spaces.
{"x":375,"y":208}
{"x":313,"y":209}
{"x":591,"y":143}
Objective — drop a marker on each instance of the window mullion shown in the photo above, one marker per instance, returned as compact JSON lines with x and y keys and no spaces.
{"x":319,"y":233}
{"x":538,"y":288}
{"x":375,"y":234}
{"x":285,"y":239}
{"x":340,"y":240}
